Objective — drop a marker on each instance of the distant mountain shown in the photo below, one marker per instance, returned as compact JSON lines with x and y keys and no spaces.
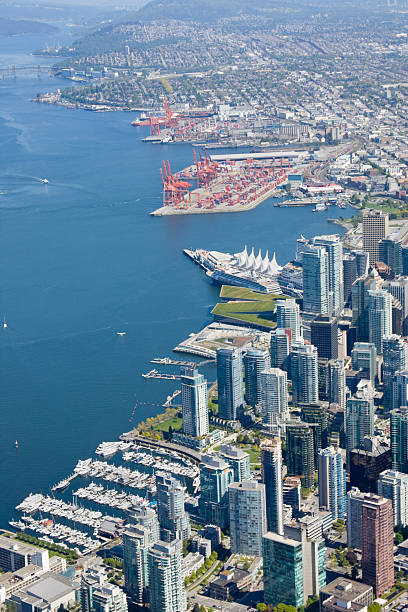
{"x":202,"y":10}
{"x":11,"y":27}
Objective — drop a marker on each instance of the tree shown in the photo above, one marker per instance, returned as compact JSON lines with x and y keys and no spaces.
{"x":354,"y":572}
{"x":261,"y":607}
{"x":398,"y":538}
{"x":374,"y":607}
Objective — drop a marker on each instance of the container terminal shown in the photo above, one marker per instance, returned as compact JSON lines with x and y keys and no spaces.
{"x":220,"y":186}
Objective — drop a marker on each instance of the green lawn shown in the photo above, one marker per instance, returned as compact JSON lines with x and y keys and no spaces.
{"x":255,"y":311}
{"x":176,"y":423}
{"x":241,"y":293}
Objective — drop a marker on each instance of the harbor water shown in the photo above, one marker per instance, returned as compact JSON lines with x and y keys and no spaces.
{"x":80,"y":260}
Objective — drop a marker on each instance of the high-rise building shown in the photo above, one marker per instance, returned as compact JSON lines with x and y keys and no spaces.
{"x":364,"y":357}
{"x":398,"y":288}
{"x":230,"y":383}
{"x":354,"y":503}
{"x":281,"y":342}
{"x":166,"y":586}
{"x":288,"y":317}
{"x":291,"y":493}
{"x":332,"y":482}
{"x":375,"y":228}
{"x":247,"y":517}
{"x":349,"y":274}
{"x":360,"y":302}
{"x":377,"y":549}
{"x":271,"y":462}
{"x":400,"y":389}
{"x":146,"y":517}
{"x":359,"y":416}
{"x":137,"y":540}
{"x":194,"y":399}
{"x":304,"y":374}
{"x":390,"y":253}
{"x":394,"y":360}
{"x":337,"y":383}
{"x":294,"y":567}
{"x":362,"y":261}
{"x":379,"y":317}
{"x":324,"y":336}
{"x":399,"y":438}
{"x":274,"y":384}
{"x":316,"y":296}
{"x":318,"y":417}
{"x":300,"y":452}
{"x":334,"y":249}
{"x":174,"y":520}
{"x":96,"y":594}
{"x":394,"y":486}
{"x":238,"y":460}
{"x":255,"y":362}
{"x":215,"y":477}
{"x":367,"y":463}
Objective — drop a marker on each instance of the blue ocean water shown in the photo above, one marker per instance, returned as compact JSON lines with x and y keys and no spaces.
{"x":80,"y":259}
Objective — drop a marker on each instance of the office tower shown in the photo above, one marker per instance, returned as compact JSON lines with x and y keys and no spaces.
{"x":337,"y":383}
{"x":394,"y":486}
{"x":166,"y":586}
{"x":247,"y":517}
{"x":316,"y":296}
{"x":367,"y":463}
{"x":354,"y":504}
{"x":324,"y":336}
{"x":359,"y":416}
{"x":379,"y":317}
{"x":230,"y":383}
{"x":288,"y":317}
{"x":397,"y":316}
{"x":215,"y":477}
{"x":394,"y":360}
{"x":195,"y":403}
{"x":400,"y":389}
{"x":316,"y":415}
{"x":398,"y":288}
{"x":377,"y":542}
{"x":332,"y":482}
{"x":136,"y":542}
{"x":173,"y":519}
{"x":364,"y":357}
{"x":304,"y":374}
{"x":399,"y":438}
{"x":349,"y":274}
{"x":274,"y":384}
{"x":375,"y":228}
{"x":334,"y":249}
{"x":300,"y":452}
{"x":302,"y":246}
{"x":238,"y":460}
{"x":345,"y":594}
{"x":255,"y":362}
{"x":294,"y":567}
{"x":362,"y":261}
{"x":405,"y":260}
{"x":360,"y":300}
{"x":390,"y":253}
{"x":271,"y":462}
{"x":281,"y":342}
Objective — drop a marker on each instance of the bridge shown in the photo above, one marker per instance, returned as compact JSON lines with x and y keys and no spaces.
{"x":12,"y":71}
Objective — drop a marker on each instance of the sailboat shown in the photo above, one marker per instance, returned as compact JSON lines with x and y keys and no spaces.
{"x":4,"y":323}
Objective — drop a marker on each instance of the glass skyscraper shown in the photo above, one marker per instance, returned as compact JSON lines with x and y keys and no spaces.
{"x":315,"y":281}
{"x":332,"y":482}
{"x":215,"y":477}
{"x":288,"y":317}
{"x":379,"y":317}
{"x":334,"y":249}
{"x":173,"y":519}
{"x":359,"y":416}
{"x":166,"y":586}
{"x":230,"y":383}
{"x":247,"y":517}
{"x":304,"y":374}
{"x":274,"y":383}
{"x":255,"y":362}
{"x":271,"y":462}
{"x":399,"y":439}
{"x":194,"y":399}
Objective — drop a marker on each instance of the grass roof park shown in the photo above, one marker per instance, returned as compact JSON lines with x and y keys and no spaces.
{"x":246,"y":307}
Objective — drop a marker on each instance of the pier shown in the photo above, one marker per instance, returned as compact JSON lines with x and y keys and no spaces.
{"x":156,"y":374}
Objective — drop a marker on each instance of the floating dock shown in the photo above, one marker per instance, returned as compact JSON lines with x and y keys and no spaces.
{"x":156,"y":374}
